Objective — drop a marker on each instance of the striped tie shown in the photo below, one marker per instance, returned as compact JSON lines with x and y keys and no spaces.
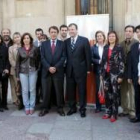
{"x":72,"y":44}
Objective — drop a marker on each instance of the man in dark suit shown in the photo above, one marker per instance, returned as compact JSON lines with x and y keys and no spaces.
{"x":37,"y":43}
{"x":7,"y":42}
{"x":134,"y":73}
{"x":78,"y":65}
{"x":52,"y":57}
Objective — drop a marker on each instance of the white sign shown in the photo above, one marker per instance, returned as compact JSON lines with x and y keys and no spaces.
{"x":89,"y":24}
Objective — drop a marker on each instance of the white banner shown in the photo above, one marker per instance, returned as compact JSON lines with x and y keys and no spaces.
{"x":89,"y":24}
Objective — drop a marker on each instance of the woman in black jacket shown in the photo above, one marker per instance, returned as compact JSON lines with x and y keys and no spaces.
{"x":112,"y":69}
{"x":97,"y":52}
{"x":4,"y":72}
{"x":26,"y":71}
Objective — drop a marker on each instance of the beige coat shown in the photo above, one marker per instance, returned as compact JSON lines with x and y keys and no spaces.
{"x":12,"y":57}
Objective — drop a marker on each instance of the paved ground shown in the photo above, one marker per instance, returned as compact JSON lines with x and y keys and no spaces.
{"x":15,"y":125}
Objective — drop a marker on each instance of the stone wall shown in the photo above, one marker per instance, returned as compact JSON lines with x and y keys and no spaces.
{"x":27,"y":15}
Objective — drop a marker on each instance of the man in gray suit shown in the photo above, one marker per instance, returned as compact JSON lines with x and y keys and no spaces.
{"x":127,"y":89}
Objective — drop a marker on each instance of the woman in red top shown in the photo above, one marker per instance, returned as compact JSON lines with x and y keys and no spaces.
{"x":112,"y":69}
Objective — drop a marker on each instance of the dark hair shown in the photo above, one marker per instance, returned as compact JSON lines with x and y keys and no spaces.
{"x":22,"y":38}
{"x":130,"y":26}
{"x":117,"y":39}
{"x":73,"y":24}
{"x":39,"y":30}
{"x":137,"y":27}
{"x":102,"y":35}
{"x":55,"y":28}
{"x":63,"y":26}
{"x":1,"y":40}
{"x":45,"y":36}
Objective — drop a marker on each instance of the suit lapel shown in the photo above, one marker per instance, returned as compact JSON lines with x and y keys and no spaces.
{"x":49,"y":47}
{"x":97,"y":50}
{"x":56,"y":47}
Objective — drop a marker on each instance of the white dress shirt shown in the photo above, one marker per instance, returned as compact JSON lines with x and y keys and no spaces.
{"x":75,"y":39}
{"x":55,"y":41}
{"x":100,"y":50}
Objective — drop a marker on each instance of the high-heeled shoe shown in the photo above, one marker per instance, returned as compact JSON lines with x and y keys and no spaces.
{"x":113,"y":118}
{"x":31,"y":112}
{"x":106,"y":116}
{"x":1,"y":110}
{"x":27,"y":112}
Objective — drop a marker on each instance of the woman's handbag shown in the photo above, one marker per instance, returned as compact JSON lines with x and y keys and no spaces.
{"x":101,"y":93}
{"x":18,"y":87}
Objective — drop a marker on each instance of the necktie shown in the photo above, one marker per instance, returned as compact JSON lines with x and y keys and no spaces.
{"x":72,"y":44}
{"x":53,"y":46}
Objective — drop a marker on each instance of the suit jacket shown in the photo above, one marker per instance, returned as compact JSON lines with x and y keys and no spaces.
{"x":116,"y":62}
{"x":4,"y":60}
{"x":13,"y":57}
{"x":79,"y":59}
{"x":133,"y":63}
{"x":27,"y":62}
{"x":56,"y":60}
{"x":126,"y":49}
{"x":35,"y":43}
{"x":95,"y":59}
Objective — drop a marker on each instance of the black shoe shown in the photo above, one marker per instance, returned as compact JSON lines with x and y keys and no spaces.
{"x":61,"y":112}
{"x":71,"y":111}
{"x":83,"y":113}
{"x":5,"y":108}
{"x":135,"y":120}
{"x":122,"y":115}
{"x":43,"y":112}
{"x":1,"y":110}
{"x":97,"y":110}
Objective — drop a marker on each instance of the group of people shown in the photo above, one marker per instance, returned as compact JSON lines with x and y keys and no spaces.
{"x":51,"y":66}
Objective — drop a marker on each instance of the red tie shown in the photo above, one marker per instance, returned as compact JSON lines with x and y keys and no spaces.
{"x":53,"y":47}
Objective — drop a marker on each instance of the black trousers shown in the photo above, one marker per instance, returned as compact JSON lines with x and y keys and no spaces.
{"x":112,"y":94}
{"x":71,"y":87}
{"x":38,"y":87}
{"x":137,"y":100}
{"x":97,"y":77}
{"x":47,"y":84}
{"x":3,"y":94}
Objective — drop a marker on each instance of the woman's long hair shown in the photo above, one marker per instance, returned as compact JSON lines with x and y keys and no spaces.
{"x":31,"y":39}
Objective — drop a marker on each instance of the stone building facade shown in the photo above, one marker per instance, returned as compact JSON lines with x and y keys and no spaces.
{"x":27,"y":15}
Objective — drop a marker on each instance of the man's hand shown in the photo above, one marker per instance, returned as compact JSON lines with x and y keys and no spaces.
{"x":129,"y":81}
{"x":52,"y":70}
{"x":6,"y":71}
{"x":120,"y":80}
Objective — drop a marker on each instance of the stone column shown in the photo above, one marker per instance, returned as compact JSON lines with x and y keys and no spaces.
{"x":77,"y":7}
{"x":69,"y":8}
{"x":119,"y":17}
{"x":132,"y":12}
